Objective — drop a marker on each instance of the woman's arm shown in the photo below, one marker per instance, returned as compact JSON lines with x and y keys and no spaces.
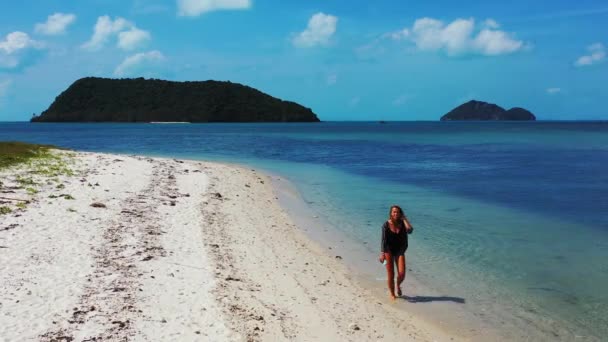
{"x":408,"y":226}
{"x":383,"y":244}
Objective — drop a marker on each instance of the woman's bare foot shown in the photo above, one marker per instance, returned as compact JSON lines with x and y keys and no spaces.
{"x":392,"y":297}
{"x":399,"y":293}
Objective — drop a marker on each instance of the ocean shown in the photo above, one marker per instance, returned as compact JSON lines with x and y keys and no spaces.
{"x":511,"y":218}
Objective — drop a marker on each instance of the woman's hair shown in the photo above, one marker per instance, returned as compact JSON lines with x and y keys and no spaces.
{"x":391,"y":210}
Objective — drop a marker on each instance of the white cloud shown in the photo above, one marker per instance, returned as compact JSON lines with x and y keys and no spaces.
{"x":193,"y":8}
{"x":13,"y":46}
{"x":138,"y":62}
{"x":332,"y":79}
{"x":426,"y":33}
{"x":491,"y":23}
{"x":129,"y":36}
{"x":597,"y":53}
{"x":15,"y":41}
{"x":458,"y":37}
{"x":552,"y":91}
{"x":132,"y":39}
{"x":494,"y":43}
{"x":55,"y":24}
{"x":320,"y":28}
{"x":104,"y":29}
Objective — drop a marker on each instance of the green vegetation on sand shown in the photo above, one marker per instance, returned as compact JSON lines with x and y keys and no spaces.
{"x":12,"y":153}
{"x":29,"y":168}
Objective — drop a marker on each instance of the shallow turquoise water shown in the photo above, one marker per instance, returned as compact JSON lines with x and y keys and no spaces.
{"x":538,"y":275}
{"x":510,"y":217}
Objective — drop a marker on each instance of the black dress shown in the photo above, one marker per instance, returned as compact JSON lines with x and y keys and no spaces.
{"x":394,"y":243}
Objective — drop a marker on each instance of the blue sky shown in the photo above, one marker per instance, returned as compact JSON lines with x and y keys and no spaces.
{"x":347,"y":60}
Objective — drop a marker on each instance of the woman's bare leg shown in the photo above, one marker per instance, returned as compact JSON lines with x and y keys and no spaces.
{"x":400,"y":272}
{"x":390,"y":271}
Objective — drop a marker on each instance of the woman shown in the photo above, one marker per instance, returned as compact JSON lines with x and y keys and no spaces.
{"x":393,"y":247}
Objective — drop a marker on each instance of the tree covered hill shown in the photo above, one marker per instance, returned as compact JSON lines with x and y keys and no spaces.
{"x":479,"y":110}
{"x":93,"y":99}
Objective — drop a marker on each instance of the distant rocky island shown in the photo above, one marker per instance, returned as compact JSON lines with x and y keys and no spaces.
{"x":93,"y":99}
{"x":478,"y":110}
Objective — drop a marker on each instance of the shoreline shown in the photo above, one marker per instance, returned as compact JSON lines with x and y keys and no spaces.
{"x":463,"y":318}
{"x":433,"y":308}
{"x":177,"y":249}
{"x":459,"y":318}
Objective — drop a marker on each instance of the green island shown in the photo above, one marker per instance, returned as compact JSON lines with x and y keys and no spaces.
{"x":93,"y":99}
{"x":483,"y":111}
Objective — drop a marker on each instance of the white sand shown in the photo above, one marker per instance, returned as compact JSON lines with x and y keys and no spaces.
{"x":183,"y":250}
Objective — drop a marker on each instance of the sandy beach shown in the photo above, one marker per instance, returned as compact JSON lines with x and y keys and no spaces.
{"x":131,"y":248}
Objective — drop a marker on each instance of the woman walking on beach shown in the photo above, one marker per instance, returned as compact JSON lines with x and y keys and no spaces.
{"x":393,"y":247}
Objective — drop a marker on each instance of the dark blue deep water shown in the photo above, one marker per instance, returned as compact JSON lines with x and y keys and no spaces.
{"x":553,"y":168}
{"x":522,"y":206}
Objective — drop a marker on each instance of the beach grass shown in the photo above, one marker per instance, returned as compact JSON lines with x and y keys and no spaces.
{"x":13,"y":153}
{"x":27,"y":168}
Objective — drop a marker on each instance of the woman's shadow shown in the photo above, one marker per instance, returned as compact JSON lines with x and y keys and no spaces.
{"x":427,"y":299}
